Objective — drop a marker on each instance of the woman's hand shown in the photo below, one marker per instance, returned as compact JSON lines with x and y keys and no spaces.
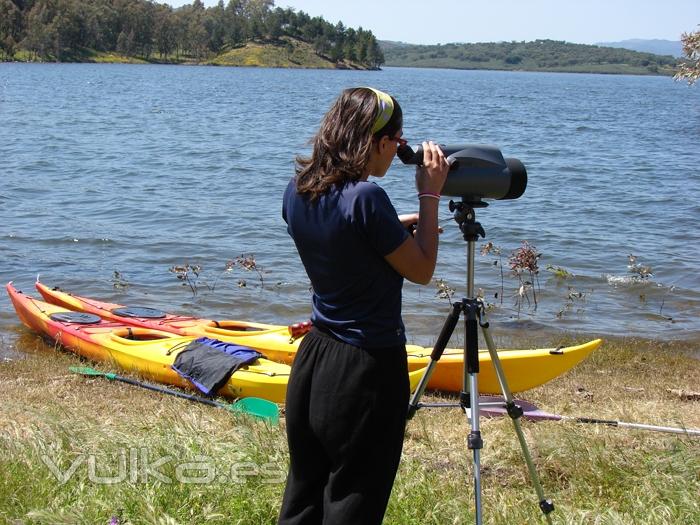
{"x":409,"y":221}
{"x":430,"y":177}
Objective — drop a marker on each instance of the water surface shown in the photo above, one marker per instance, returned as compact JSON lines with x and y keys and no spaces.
{"x":136,"y":169}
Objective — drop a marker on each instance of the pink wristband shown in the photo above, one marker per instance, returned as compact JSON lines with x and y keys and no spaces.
{"x":429,"y":194}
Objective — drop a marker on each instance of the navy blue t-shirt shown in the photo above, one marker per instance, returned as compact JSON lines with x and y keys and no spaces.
{"x":342,"y":239}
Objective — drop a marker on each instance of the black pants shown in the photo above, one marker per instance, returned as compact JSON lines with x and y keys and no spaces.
{"x":346,"y":416}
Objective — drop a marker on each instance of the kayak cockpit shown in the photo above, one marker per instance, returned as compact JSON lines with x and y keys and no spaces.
{"x":130,"y":335}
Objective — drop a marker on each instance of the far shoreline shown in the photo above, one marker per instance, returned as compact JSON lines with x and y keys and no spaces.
{"x":313,"y":68}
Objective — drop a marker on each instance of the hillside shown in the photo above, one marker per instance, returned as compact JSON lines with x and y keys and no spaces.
{"x":672,"y":48}
{"x":244,"y":32}
{"x":540,"y":55}
{"x":285,"y":52}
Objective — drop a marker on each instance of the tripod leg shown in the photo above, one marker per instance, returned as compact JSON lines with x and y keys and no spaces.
{"x":470,"y":396}
{"x":514,"y":411}
{"x":438,"y":349}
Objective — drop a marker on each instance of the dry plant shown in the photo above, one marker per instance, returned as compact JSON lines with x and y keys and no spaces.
{"x":524,"y":265}
{"x":572,"y":298}
{"x":189,"y":275}
{"x":491,"y":249}
{"x":248,"y":263}
{"x":119,"y":282}
{"x":192,"y":275}
{"x":639,"y":271}
{"x":444,"y":290}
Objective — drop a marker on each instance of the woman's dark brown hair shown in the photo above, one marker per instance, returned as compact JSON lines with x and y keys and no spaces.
{"x":342,"y":146}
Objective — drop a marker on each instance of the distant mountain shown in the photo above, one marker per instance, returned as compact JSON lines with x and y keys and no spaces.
{"x":540,"y":55}
{"x":657,"y":47}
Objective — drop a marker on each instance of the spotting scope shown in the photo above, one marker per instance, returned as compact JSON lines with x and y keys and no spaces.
{"x":476,"y":172}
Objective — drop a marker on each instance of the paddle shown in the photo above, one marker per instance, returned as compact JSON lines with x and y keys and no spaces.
{"x":252,"y":406}
{"x":494,"y":406}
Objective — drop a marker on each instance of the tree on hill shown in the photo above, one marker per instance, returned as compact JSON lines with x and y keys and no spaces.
{"x":690,"y":70}
{"x":164,"y":30}
{"x":10,"y":28}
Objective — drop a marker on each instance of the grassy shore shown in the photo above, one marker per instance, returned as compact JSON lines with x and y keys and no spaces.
{"x":154,"y":447}
{"x":285,"y":52}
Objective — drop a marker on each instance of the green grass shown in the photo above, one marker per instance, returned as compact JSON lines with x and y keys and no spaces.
{"x":23,"y":55}
{"x":101,"y":57}
{"x":82,"y":55}
{"x":595,"y":474}
{"x":286,"y":52}
{"x":296,"y":54}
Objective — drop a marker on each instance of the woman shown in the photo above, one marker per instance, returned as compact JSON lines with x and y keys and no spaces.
{"x":348,"y":391}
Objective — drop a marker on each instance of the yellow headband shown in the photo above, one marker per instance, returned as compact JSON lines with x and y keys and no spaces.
{"x":386,"y":109}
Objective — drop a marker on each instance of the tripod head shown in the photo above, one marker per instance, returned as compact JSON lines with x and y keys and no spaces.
{"x":465,"y":216}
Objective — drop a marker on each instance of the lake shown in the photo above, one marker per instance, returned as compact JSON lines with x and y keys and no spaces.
{"x":114,"y":174}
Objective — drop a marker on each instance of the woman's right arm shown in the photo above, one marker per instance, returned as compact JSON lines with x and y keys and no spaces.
{"x":416,"y":257}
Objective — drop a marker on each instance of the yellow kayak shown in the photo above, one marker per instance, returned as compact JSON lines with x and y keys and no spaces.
{"x":148,"y":352}
{"x":524,"y":369}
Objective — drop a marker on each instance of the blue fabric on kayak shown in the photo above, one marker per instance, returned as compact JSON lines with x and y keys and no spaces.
{"x":209,"y":363}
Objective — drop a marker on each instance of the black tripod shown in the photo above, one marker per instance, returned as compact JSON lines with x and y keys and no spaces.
{"x":473,"y":310}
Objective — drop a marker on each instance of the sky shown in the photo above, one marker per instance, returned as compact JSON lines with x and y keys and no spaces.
{"x":444,"y":21}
